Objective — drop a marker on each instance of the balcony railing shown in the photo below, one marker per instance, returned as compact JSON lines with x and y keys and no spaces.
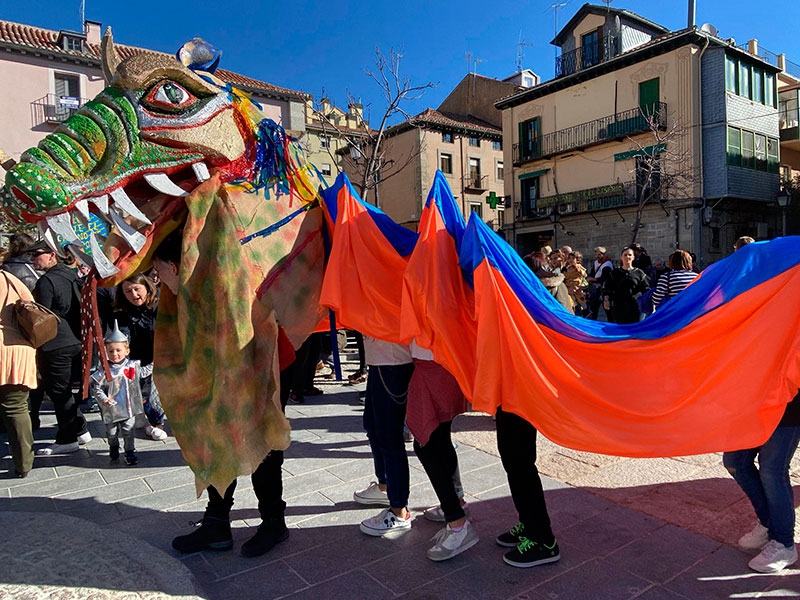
{"x":55,"y":109}
{"x":590,"y":200}
{"x":587,"y":56}
{"x":609,"y":128}
{"x":474,"y":182}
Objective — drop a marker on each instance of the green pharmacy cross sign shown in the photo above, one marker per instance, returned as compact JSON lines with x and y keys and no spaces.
{"x":493,"y":200}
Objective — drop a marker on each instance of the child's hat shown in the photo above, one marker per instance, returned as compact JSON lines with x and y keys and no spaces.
{"x":115,"y":335}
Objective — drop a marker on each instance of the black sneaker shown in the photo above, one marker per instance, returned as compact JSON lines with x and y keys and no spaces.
{"x":130,"y":458}
{"x":269,"y":533}
{"x":511,"y":539}
{"x":113,"y":453}
{"x":296,"y":398}
{"x":530,"y":554}
{"x":212,"y":534}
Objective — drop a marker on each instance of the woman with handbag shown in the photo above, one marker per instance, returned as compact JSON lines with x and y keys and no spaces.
{"x":17,"y":375}
{"x":59,"y":360}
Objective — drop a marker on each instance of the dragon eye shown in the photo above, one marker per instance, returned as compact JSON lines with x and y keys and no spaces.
{"x":169,"y":95}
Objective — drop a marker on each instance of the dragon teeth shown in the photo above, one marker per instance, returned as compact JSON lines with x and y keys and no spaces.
{"x":201,"y":172}
{"x":83,"y":208}
{"x":105,"y":268}
{"x":121,"y":200}
{"x":62,"y":225}
{"x":133,"y":238}
{"x":160,"y":182}
{"x":101,"y":202}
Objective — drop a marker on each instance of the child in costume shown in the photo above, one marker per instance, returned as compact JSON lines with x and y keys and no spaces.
{"x":120,"y":398}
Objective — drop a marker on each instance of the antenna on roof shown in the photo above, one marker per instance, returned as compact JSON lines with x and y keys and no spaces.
{"x":521,"y":51}
{"x":607,"y":3}
{"x":83,"y":12}
{"x":555,"y":8}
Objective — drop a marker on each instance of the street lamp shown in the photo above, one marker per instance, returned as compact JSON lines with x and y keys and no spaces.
{"x":554,"y":217}
{"x":783,"y":199}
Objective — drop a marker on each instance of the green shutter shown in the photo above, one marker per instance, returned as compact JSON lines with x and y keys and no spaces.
{"x":649,"y":96}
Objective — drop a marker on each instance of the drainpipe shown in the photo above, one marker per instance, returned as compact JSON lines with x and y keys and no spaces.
{"x":463,"y":171}
{"x":700,"y":256}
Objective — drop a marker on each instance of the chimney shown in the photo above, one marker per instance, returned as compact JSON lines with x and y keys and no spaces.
{"x":325,"y":103}
{"x":356,"y":110}
{"x":91,"y":29}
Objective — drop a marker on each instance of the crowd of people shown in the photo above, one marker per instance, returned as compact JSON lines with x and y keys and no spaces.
{"x":405,"y":389}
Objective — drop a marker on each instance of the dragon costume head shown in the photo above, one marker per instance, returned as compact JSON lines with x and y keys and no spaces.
{"x":167,"y":146}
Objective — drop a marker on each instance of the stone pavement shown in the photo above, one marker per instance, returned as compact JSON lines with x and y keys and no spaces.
{"x":655,"y":529}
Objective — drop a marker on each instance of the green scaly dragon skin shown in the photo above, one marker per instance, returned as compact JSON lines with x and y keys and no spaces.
{"x":219,"y":332}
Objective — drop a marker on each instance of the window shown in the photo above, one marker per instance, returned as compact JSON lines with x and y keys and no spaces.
{"x":68,"y":94}
{"x":773,"y":159}
{"x":447,"y":138}
{"x":73,"y":43}
{"x":761,"y":152}
{"x":325,"y":141}
{"x":530,"y":194}
{"x":501,"y":217}
{"x":753,"y":150}
{"x":731,"y":74}
{"x":446,"y":163}
{"x":476,"y":207}
{"x":499,"y":171}
{"x":67,"y":85}
{"x":734,"y":146}
{"x":769,"y":89}
{"x":326,"y":168}
{"x":590,"y":44}
{"x":648,"y":177}
{"x":758,"y":85}
{"x":475,"y":172}
{"x":748,"y":149}
{"x":496,"y":145}
{"x":530,"y":134}
{"x":744,"y":79}
{"x":474,"y":142}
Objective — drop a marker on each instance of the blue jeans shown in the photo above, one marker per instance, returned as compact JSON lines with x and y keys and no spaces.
{"x":152,"y":402}
{"x":768,"y":486}
{"x":384,"y":418}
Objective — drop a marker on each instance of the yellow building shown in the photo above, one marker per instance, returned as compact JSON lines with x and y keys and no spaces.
{"x":330,"y":133}
{"x":666,"y":138}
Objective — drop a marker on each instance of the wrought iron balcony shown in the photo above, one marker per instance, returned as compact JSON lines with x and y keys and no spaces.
{"x":616,"y":195}
{"x":475,"y":182}
{"x":587,"y":56}
{"x":55,"y":109}
{"x":613,"y":127}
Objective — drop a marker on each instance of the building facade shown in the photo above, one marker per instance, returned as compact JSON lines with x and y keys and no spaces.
{"x":667,"y":138}
{"x":56,"y":72}
{"x":463,"y":139}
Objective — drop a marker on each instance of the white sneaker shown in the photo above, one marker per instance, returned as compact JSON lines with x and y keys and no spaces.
{"x":385,"y":523}
{"x":755,"y":539}
{"x":436,"y":514}
{"x":449,"y":543}
{"x":372,"y":495}
{"x":84,"y":438}
{"x":156,"y":433}
{"x":773,"y":558}
{"x":58,"y":449}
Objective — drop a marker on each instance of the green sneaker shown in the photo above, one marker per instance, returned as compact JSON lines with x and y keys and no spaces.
{"x":531,"y":554}
{"x":511,"y":539}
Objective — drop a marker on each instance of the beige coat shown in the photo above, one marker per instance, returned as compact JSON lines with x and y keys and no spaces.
{"x":17,"y":356}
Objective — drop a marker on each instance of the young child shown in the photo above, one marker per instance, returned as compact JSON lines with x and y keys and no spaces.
{"x":120,"y":398}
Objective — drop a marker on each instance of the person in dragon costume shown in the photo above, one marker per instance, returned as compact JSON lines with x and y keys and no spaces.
{"x":168,"y":147}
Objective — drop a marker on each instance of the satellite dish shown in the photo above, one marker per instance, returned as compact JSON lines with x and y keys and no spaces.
{"x":617,"y":26}
{"x":709,"y":28}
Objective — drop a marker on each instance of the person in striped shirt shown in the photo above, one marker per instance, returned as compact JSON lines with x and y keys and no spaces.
{"x":675,"y":280}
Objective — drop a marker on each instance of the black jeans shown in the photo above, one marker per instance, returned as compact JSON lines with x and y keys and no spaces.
{"x":58,"y":369}
{"x":439,"y":459}
{"x":516,"y":442}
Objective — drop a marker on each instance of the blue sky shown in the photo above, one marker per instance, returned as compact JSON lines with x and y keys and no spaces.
{"x":325,"y":47}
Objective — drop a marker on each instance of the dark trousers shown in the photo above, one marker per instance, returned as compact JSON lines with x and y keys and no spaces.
{"x":439,"y":459}
{"x":305,"y":364}
{"x":362,"y":360}
{"x":14,"y":411}
{"x":58,"y":369}
{"x":516,"y":442}
{"x":152,"y":402}
{"x":267,"y":485}
{"x":384,"y":419}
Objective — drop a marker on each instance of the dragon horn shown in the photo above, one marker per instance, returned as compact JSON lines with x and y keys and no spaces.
{"x":110,"y":58}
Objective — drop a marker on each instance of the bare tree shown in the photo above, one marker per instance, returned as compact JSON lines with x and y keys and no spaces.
{"x":368,"y":153}
{"x":664,"y":167}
